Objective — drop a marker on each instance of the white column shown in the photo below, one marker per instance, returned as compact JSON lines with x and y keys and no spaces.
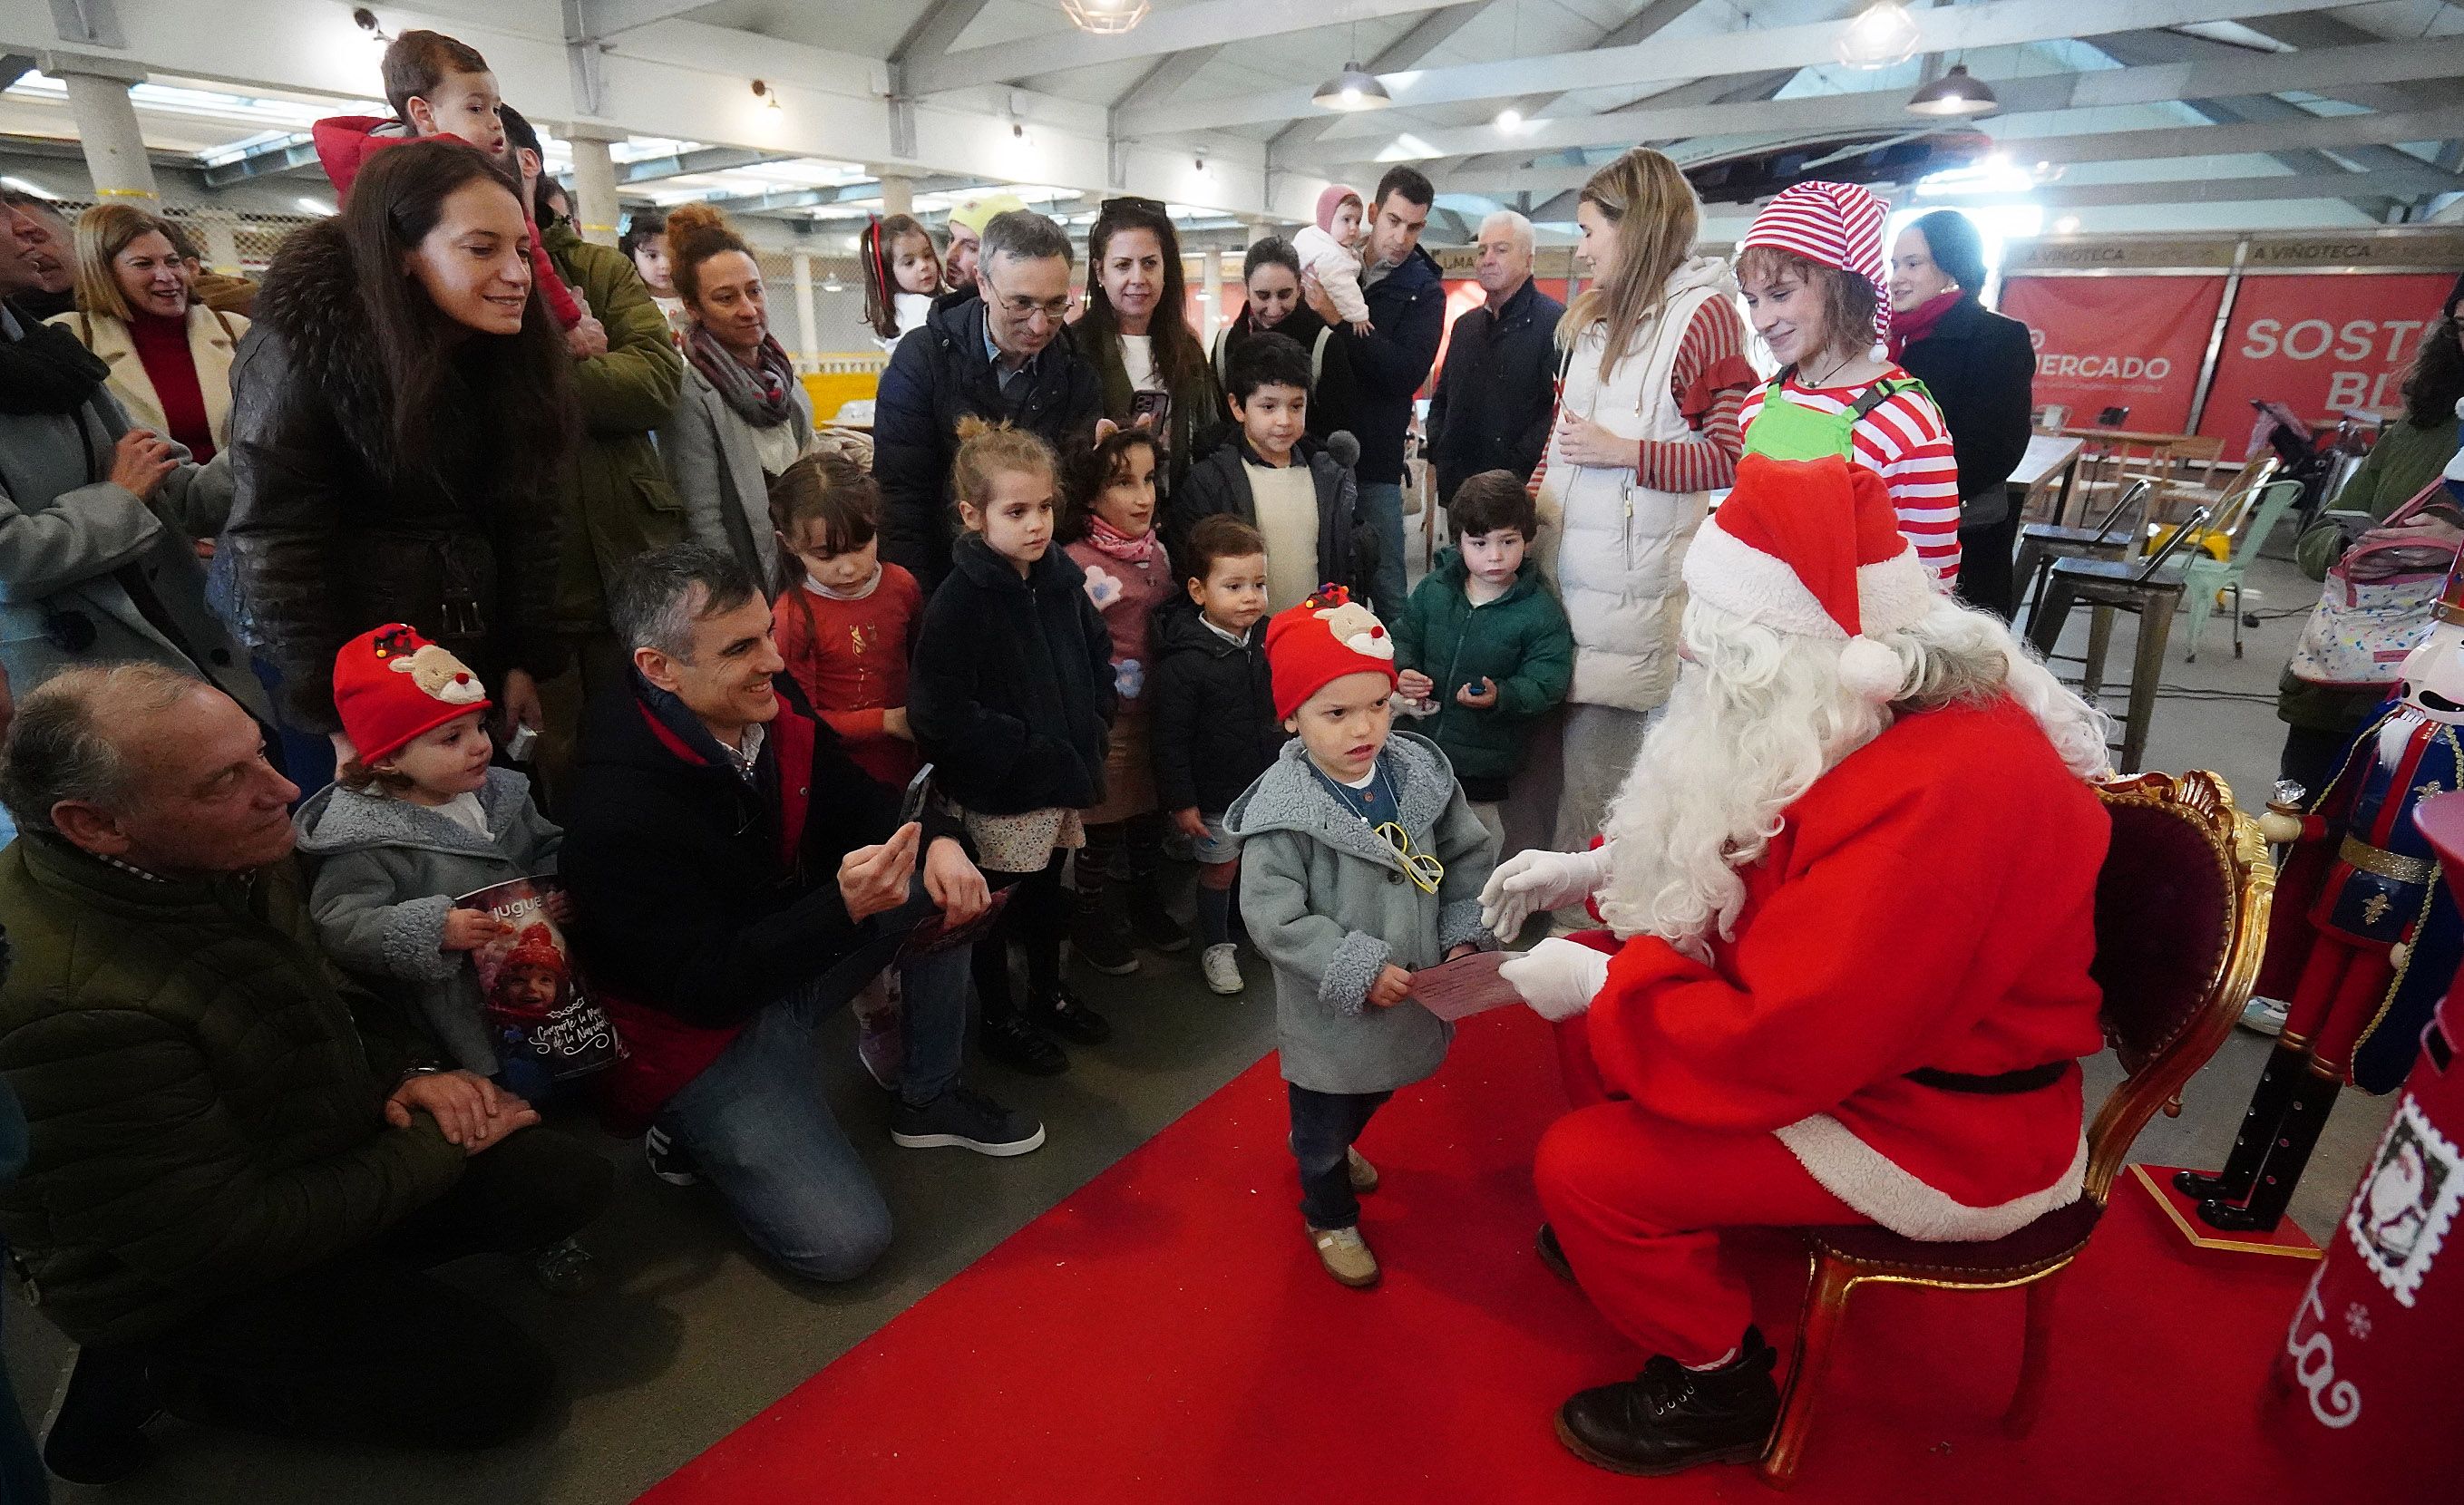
{"x":595,"y":210}
{"x":1259,"y":230}
{"x":897,"y":195}
{"x":808,"y":356}
{"x":1214,"y":305}
{"x":106,"y":124}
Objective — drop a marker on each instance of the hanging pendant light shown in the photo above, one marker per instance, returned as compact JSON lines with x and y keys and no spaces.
{"x":1956,"y":93}
{"x":1105,"y":18}
{"x":1356,"y":88}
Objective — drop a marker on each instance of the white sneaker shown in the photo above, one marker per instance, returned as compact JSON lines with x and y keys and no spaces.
{"x":2264,"y":1016}
{"x":1221,"y":965}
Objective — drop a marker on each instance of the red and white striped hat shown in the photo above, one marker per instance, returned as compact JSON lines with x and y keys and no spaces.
{"x":1835,"y":225}
{"x":1812,"y":548}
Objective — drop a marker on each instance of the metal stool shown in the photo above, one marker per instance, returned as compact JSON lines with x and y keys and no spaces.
{"x":2152,"y":588}
{"x":2040,"y":544}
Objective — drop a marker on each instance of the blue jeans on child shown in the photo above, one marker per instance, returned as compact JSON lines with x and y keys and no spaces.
{"x":760,"y":1131}
{"x":1323,"y":1125}
{"x":1381,"y":502}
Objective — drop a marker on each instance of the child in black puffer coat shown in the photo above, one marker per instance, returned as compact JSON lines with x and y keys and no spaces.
{"x":1011,"y":699}
{"x":1215,"y":725}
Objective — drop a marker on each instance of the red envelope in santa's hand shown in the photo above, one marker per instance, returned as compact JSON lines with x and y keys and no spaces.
{"x":1468,"y":985}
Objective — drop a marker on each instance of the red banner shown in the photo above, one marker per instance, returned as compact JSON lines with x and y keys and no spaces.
{"x":2126,"y":342}
{"x":2320,"y":344}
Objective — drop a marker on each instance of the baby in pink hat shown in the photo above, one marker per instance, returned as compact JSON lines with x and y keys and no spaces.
{"x":1329,"y":252}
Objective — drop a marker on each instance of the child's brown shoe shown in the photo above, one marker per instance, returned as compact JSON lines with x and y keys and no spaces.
{"x":1345,"y":1255}
{"x":1364,"y":1175}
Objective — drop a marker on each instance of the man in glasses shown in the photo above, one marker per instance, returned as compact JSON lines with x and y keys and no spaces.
{"x":999,"y":357}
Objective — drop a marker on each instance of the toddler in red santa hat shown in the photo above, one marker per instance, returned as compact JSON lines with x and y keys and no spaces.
{"x":1361,"y":861}
{"x":418,"y":817}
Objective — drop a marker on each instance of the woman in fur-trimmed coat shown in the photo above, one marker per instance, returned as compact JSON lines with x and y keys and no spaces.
{"x":397,"y":448}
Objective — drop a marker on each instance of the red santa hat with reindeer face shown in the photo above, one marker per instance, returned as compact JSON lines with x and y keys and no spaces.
{"x":1812,"y":548}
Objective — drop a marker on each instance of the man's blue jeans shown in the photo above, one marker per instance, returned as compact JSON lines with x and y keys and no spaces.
{"x":762,"y":1134}
{"x":1382,"y":502}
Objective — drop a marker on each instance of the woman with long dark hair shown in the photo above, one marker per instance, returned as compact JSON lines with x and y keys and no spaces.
{"x":403,"y":408}
{"x":1270,"y":273}
{"x":1136,"y":333}
{"x":742,"y":416}
{"x":1981,"y":370}
{"x":2409,"y":454}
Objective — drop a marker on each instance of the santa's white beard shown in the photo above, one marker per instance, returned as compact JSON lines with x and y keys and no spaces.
{"x":1758,"y":716}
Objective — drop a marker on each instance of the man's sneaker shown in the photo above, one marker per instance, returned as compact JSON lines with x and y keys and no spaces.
{"x":1670,"y":1417}
{"x":1099,"y":945}
{"x":1150,"y":922}
{"x":564,"y":1269}
{"x":1014,"y":1041}
{"x":1345,"y":1255}
{"x":966,"y":1120}
{"x":1066,"y":1015}
{"x":668,"y":1160}
{"x":98,"y":1437}
{"x":1363,"y":1174}
{"x":2264,"y":1016}
{"x":1221,"y":965}
{"x":880,"y":1043}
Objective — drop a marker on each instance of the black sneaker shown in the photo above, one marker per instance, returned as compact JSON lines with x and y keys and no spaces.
{"x":1099,"y":945}
{"x":966,"y":1120}
{"x":1670,"y":1417}
{"x":1149,"y":923}
{"x":100,"y":1435}
{"x":667,"y":1160}
{"x":1018,"y":1044}
{"x":1066,"y":1015}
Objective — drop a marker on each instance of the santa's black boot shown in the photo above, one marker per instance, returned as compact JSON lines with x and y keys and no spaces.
{"x":2286,"y":1066}
{"x":2297,"y":1134}
{"x":1670,"y":1417}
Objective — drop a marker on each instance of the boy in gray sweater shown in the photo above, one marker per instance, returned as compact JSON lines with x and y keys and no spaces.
{"x":1361,"y":861}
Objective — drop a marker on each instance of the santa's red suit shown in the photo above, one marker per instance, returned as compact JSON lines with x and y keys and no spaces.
{"x":1927,"y":908}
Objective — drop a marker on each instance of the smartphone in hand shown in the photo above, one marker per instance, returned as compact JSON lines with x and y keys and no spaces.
{"x":919,"y":791}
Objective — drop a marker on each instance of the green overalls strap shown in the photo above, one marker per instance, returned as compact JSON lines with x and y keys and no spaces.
{"x":1785,"y":430}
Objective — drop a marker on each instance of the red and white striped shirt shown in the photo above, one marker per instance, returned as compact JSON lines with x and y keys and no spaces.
{"x":1709,"y":383}
{"x":1902,"y":440}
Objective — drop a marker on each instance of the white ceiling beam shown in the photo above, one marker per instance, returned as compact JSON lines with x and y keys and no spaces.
{"x":1167,"y":78}
{"x":937,"y":29}
{"x":2199,"y":190}
{"x":1996,"y":23}
{"x":2251,"y":73}
{"x":602,"y":19}
{"x":1206,"y":23}
{"x":2151,"y":145}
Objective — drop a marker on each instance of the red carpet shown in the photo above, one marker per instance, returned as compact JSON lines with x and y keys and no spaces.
{"x":1165,"y":1337}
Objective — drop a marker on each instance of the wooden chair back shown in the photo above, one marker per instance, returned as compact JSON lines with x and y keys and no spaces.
{"x":2180,"y":919}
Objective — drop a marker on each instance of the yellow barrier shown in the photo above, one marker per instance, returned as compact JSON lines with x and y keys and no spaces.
{"x":831,"y":390}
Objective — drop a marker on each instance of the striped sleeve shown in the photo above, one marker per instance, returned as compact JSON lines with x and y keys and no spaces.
{"x":1903,"y":440}
{"x":1709,"y":382}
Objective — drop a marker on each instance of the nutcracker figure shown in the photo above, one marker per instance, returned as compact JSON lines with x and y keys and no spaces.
{"x":2362,"y":941}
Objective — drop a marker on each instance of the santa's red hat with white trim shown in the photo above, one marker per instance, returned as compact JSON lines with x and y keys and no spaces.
{"x":1812,"y":548}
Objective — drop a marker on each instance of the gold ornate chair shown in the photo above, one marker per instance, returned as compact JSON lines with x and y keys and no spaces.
{"x":2181,"y":917}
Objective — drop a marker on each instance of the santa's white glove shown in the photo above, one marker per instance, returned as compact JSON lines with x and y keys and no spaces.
{"x":1528,"y":883}
{"x":1558,"y":978}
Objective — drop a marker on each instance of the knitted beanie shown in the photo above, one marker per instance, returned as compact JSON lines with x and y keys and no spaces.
{"x":1835,"y":225}
{"x":1812,"y":548}
{"x":1330,"y":199}
{"x":391,"y":685}
{"x":536,"y":947}
{"x":1320,"y":641}
{"x":976,"y":213}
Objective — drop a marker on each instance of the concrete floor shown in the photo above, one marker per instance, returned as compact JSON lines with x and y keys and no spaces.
{"x":687,"y":1335}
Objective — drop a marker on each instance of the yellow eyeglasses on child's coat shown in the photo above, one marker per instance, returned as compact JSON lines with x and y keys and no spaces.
{"x":1425,"y":871}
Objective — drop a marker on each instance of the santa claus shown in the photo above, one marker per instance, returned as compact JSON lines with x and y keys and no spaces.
{"x":1850,"y":886}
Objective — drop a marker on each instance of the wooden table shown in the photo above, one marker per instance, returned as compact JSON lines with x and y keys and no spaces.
{"x":2049,"y":457}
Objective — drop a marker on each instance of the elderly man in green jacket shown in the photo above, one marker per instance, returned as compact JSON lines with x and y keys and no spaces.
{"x":239,"y":1164}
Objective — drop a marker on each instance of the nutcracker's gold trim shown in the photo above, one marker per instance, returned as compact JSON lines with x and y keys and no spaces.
{"x":2205,"y":1237}
{"x":2388,"y":866}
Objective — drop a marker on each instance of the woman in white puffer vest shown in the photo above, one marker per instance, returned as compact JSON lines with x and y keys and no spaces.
{"x":1643,"y":436}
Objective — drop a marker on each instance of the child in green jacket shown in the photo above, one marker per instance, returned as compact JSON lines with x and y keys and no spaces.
{"x":1483,"y":646}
